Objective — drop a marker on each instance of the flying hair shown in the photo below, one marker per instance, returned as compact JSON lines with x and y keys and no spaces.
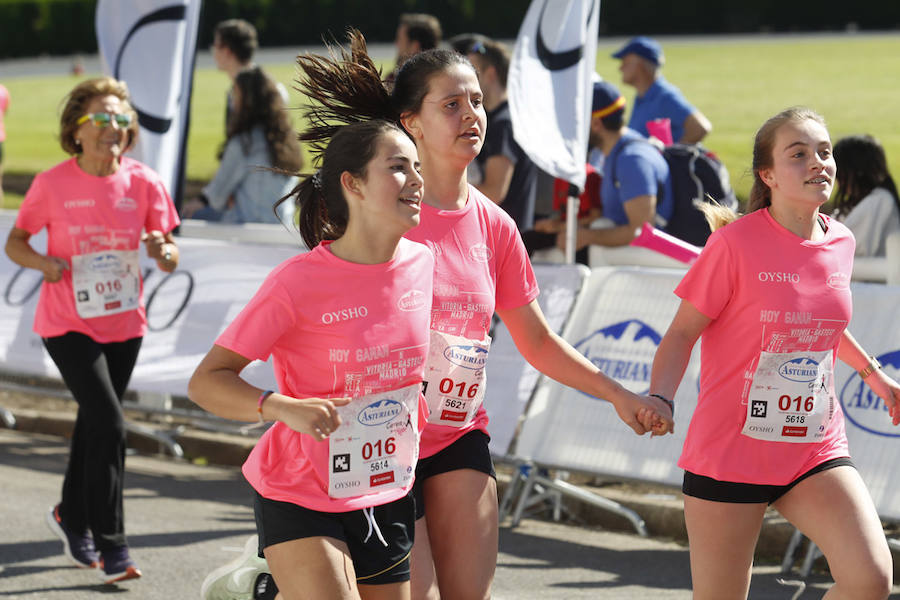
{"x":345,"y":87}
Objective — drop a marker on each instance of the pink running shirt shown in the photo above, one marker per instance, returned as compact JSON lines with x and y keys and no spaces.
{"x":764,"y":288}
{"x":84,"y":214}
{"x":480,"y":263}
{"x":334,"y":329}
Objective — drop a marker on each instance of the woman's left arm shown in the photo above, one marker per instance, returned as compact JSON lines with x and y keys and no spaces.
{"x":162,"y":248}
{"x":884,"y":386}
{"x":554,"y":357}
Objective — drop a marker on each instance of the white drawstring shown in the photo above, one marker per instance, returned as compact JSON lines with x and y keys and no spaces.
{"x":370,"y":518}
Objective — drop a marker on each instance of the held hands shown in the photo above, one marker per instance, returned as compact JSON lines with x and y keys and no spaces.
{"x":317,"y":417}
{"x":53,"y":268}
{"x":644,"y":413}
{"x":888,"y":390}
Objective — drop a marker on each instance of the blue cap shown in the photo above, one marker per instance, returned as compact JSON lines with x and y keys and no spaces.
{"x":645,"y":48}
{"x":607,"y":99}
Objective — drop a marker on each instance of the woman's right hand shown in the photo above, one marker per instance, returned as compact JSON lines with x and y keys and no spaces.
{"x":53,"y":268}
{"x":317,"y":417}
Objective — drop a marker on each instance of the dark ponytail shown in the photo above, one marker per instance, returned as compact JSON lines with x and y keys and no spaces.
{"x":319,"y":198}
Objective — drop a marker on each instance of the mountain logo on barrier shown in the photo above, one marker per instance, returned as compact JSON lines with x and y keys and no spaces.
{"x":624,"y":351}
{"x":799,"y":369}
{"x":863,"y":407}
{"x":468,"y":356}
{"x":380,"y":412}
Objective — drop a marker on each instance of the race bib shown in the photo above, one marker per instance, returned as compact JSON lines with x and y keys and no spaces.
{"x":377,"y":445}
{"x":106,"y":282}
{"x":791,"y":398}
{"x":455,"y":378}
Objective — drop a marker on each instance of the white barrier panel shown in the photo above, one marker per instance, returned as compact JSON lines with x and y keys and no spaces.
{"x":511,"y":380}
{"x":186,"y":311}
{"x":617,"y":323}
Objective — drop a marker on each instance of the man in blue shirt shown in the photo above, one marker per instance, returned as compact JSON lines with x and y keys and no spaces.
{"x":636,"y":187}
{"x":642,"y":59}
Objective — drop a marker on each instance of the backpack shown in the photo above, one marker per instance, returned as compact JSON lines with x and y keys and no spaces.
{"x":697,"y":176}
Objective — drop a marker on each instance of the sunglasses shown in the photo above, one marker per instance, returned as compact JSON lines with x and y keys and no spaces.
{"x":103,"y":119}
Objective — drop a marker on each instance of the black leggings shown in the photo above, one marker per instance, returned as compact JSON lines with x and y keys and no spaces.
{"x":97,"y":375}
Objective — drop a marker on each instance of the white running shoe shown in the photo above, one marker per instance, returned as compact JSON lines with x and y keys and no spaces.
{"x":235,"y":581}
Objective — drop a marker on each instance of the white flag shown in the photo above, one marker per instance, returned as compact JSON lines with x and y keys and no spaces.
{"x":550,"y":85}
{"x":150,"y":45}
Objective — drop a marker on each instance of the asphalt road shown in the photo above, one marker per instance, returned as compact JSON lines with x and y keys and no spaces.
{"x":184,"y":520}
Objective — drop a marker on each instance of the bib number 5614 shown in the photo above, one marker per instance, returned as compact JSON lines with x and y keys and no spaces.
{"x":379,"y":448}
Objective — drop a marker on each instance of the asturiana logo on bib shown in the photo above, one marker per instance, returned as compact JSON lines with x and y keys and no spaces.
{"x":838,"y":281}
{"x":468,"y":357}
{"x":480,"y":253}
{"x":778,"y":277}
{"x":126,"y":204}
{"x":863,"y":407}
{"x":85,"y":203}
{"x":799,"y":369}
{"x":379,"y":412}
{"x":624,"y":351}
{"x":104,"y":263}
{"x":345,"y":314}
{"x":411,"y":301}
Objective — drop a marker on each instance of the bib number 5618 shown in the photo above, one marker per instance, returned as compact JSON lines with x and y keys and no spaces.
{"x":785,"y":402}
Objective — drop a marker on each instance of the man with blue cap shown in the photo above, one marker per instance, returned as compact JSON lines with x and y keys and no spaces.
{"x":636,"y":188}
{"x":642,"y":58}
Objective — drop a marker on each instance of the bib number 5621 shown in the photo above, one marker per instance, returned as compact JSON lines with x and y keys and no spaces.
{"x":461,"y":389}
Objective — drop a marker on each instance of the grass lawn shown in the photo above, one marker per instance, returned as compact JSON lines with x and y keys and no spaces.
{"x":737,"y":82}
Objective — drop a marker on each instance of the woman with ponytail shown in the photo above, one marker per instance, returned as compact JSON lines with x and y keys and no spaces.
{"x":770,"y":294}
{"x":347,"y":327}
{"x":481,"y":267}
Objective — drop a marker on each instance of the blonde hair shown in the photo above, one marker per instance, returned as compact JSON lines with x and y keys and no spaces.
{"x":763,"y":158}
{"x":75,"y":106}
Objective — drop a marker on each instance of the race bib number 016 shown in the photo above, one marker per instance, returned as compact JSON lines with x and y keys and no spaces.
{"x":791,"y":398}
{"x":106,"y":282}
{"x":377,"y":445}
{"x":455,"y":378}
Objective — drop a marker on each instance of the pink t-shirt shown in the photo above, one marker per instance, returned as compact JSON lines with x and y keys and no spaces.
{"x":4,"y":106}
{"x":765,"y":289}
{"x":85,"y":214}
{"x":480,"y":263}
{"x":334,"y":329}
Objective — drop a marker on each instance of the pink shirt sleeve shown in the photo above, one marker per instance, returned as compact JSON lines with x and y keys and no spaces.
{"x":709,"y":284}
{"x":161,"y":215}
{"x":33,"y":214}
{"x":256,"y":330}
{"x":516,"y":283}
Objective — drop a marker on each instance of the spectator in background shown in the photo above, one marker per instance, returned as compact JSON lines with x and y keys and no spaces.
{"x":642,"y":59}
{"x":636,"y":186}
{"x":234,"y":44}
{"x":502,"y":171}
{"x":416,"y":32}
{"x":260,"y":138}
{"x":4,"y":106}
{"x":866,"y":199}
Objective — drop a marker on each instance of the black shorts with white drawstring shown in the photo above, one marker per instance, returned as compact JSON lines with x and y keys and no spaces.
{"x":379,"y":538}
